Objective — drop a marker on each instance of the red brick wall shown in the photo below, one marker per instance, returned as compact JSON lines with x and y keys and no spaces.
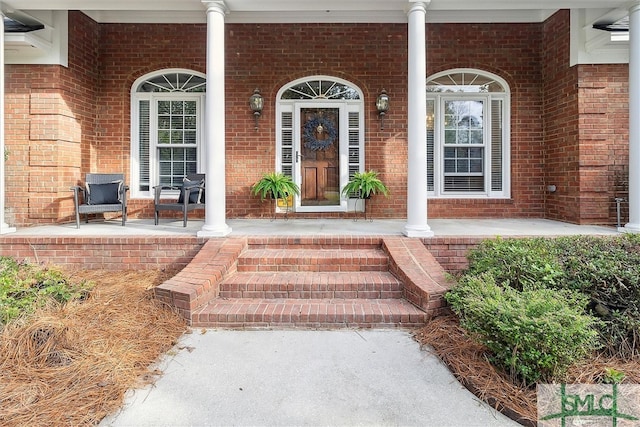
{"x":586,"y":124}
{"x":108,"y":253}
{"x":78,"y":117}
{"x":603,"y":105}
{"x":513,"y":52}
{"x":50,"y":129}
{"x":561,"y":139}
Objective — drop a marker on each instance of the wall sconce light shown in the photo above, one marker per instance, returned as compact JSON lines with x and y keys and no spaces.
{"x":382,"y":104}
{"x":256,"y":103}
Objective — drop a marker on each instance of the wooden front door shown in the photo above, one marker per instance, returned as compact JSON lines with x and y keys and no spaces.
{"x":319,"y":156}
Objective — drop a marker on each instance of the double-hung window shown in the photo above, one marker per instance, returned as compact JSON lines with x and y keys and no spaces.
{"x":467,"y":135}
{"x":166,"y":129}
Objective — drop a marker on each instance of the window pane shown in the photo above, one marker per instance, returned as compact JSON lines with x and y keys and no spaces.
{"x":165,"y":168}
{"x":450,"y":137}
{"x":462,"y":166}
{"x":190,"y":108}
{"x":164,"y":137}
{"x":164,"y":122}
{"x":164,"y":107}
{"x":475,"y":166}
{"x":463,"y":122}
{"x":165,"y":154}
{"x":190,"y":122}
{"x":449,"y":166}
{"x":176,"y":107}
{"x":176,"y":137}
{"x":189,"y":137}
{"x":476,"y":137}
{"x":177,"y":122}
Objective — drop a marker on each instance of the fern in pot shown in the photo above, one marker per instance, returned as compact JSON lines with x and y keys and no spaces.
{"x":275,"y":185}
{"x":364,"y":184}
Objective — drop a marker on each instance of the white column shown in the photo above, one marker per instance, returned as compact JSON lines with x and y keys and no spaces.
{"x":4,"y":228}
{"x":214,"y":126}
{"x":417,"y":124}
{"x":633,"y":226}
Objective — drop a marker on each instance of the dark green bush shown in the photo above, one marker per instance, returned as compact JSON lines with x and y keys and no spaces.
{"x":605,"y":269}
{"x":534,"y":334}
{"x":24,"y":287}
{"x":518,"y":262}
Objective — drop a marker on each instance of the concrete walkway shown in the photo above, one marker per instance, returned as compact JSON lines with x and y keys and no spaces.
{"x":303,"y":378}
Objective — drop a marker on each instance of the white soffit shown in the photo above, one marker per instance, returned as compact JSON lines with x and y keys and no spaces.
{"x":306,"y":11}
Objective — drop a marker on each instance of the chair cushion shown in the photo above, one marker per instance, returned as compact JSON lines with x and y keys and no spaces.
{"x":194,"y":196}
{"x":104,"y":194}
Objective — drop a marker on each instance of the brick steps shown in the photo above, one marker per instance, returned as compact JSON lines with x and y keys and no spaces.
{"x":309,"y":282}
{"x":311,"y":313}
{"x":316,"y":285}
{"x":294,"y":259}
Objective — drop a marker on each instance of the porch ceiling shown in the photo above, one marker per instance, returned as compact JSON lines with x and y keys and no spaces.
{"x":271,"y":11}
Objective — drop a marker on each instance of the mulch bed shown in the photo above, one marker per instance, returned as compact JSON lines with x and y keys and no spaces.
{"x":72,"y":364}
{"x":468,"y":361}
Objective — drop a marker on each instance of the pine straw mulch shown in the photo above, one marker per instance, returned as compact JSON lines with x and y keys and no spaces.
{"x":467,"y":360}
{"x":72,"y":365}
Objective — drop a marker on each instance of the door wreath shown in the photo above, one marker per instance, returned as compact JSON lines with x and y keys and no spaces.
{"x":315,"y":129}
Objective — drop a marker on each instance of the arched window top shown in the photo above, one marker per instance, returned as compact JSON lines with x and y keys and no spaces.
{"x":466,"y":81}
{"x":320,"y":88}
{"x":171,"y":81}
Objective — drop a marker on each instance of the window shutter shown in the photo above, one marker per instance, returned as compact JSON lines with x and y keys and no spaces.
{"x":143,"y":148}
{"x":430,"y":143}
{"x":354,"y":142}
{"x":287,"y":143}
{"x":496,"y":145}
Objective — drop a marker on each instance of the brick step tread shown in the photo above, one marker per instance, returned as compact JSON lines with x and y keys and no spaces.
{"x":312,"y":285}
{"x":313,"y":260}
{"x":258,"y":313}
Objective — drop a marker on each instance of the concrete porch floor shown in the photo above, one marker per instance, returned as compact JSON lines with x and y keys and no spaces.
{"x":293,"y":226}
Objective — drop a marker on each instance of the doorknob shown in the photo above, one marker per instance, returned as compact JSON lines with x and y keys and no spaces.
{"x":298,"y":156}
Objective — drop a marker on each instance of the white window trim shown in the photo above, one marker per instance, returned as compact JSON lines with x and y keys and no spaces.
{"x":136,"y":97}
{"x":438,"y":175}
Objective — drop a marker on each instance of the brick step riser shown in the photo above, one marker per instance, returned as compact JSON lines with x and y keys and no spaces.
{"x":274,"y":316}
{"x":300,"y":324}
{"x":261,"y":313}
{"x":309,"y":268}
{"x":320,"y":247}
{"x":286,"y":260}
{"x":274,"y":294}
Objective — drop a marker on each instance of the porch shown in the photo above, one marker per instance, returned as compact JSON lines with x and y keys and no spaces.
{"x":321,"y":227}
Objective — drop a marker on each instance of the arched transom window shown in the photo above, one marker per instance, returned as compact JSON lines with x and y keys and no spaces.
{"x":166,"y":128}
{"x":468,"y":135}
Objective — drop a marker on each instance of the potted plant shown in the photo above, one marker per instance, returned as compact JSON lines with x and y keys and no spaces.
{"x":363,"y":184}
{"x":275,"y":185}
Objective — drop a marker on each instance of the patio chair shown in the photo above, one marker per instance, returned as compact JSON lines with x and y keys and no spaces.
{"x":101,"y":192}
{"x":191,"y":196}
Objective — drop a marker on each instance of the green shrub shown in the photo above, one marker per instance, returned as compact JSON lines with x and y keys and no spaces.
{"x":534,"y":334}
{"x":605,"y":269}
{"x":518,"y":262}
{"x":24,"y":287}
